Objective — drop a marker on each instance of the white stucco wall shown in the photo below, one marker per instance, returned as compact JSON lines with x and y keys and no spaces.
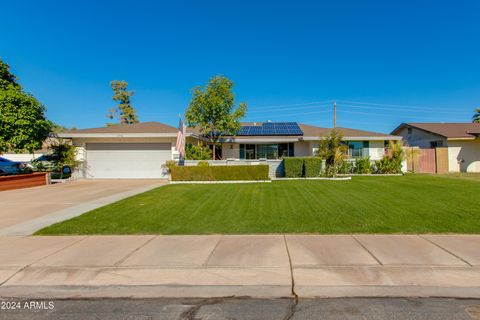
{"x":468,"y":151}
{"x":302,"y":149}
{"x":420,"y":138}
{"x":230,"y":151}
{"x":376,"y":150}
{"x":21,"y":157}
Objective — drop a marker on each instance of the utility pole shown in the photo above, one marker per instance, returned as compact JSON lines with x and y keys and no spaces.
{"x":334,"y":114}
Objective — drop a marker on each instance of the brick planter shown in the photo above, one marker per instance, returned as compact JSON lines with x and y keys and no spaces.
{"x":23,"y":181}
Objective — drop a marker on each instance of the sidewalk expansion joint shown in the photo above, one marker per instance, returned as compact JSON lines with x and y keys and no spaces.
{"x":366,"y":249}
{"x":293,"y":305}
{"x":116,"y":264}
{"x":48,"y":255}
{"x":205,"y":264}
{"x":447,"y":251}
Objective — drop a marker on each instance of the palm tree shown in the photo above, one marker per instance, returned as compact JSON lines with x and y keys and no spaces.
{"x":333,"y":151}
{"x":476,"y":116}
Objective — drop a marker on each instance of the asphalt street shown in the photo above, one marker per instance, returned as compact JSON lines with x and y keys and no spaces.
{"x":242,"y":309}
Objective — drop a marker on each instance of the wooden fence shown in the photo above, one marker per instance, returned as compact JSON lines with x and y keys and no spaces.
{"x":427,"y":160}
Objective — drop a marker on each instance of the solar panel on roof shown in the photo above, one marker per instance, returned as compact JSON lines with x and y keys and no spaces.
{"x":272,"y":129}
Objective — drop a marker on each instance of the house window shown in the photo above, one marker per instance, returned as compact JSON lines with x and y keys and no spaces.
{"x":283,"y":150}
{"x":409,"y":130}
{"x":291,"y":150}
{"x":435,"y":144}
{"x":266,"y":151}
{"x":355,"y":148}
{"x":250,"y":151}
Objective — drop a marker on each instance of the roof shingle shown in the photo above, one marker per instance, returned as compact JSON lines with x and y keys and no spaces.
{"x":143,"y":127}
{"x":448,"y":130}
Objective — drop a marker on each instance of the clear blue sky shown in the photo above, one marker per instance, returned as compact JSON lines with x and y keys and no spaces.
{"x":288,"y":60}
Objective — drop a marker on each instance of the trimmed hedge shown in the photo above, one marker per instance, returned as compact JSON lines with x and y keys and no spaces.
{"x":306,"y":167}
{"x":219,"y":173}
{"x":293,"y":167}
{"x":312,"y":166}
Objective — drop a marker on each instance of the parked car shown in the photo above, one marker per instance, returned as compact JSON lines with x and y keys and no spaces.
{"x":9,"y":166}
{"x":49,"y":162}
{"x":46,"y":161}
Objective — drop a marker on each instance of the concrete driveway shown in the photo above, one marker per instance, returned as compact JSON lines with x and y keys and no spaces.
{"x":25,"y":209}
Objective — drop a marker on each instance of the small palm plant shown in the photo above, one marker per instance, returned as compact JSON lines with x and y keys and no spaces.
{"x":333,"y":151}
{"x":476,"y":116}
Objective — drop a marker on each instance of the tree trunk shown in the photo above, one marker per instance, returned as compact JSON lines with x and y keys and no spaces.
{"x":213,"y":151}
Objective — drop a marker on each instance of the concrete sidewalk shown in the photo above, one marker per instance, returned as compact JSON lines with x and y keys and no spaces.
{"x":249,"y":265}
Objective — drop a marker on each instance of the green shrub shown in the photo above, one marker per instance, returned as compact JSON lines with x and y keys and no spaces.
{"x":392,"y":160}
{"x":293,"y":167}
{"x":388,"y":165}
{"x":219,"y":173}
{"x":203,"y":164}
{"x":312,"y":166}
{"x":345,"y":167}
{"x":63,"y":154}
{"x":168,"y":165}
{"x":198,"y":152}
{"x":363,"y":166}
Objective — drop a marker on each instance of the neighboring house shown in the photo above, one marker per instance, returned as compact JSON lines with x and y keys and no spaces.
{"x":139,"y":150}
{"x":461,"y":139}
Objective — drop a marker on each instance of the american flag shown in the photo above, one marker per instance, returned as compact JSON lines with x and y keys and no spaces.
{"x":180,"y":146}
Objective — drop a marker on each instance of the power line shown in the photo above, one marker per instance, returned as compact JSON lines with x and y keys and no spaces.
{"x":380,"y":114}
{"x":295,"y":104}
{"x":346,"y":103}
{"x":298,"y":114}
{"x":394,"y":105}
{"x":290,"y":109}
{"x":380,"y":108}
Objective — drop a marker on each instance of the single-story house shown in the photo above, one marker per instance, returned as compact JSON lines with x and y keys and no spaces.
{"x":461,"y":139}
{"x":139,"y":150}
{"x":274,"y":140}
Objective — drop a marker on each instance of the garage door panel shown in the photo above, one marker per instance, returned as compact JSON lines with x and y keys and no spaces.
{"x":127,"y":160}
{"x":129,"y":146}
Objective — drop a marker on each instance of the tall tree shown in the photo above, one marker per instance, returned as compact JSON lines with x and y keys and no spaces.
{"x":476,"y":116}
{"x":212,"y":109}
{"x":23,"y":125}
{"x":124,"y":111}
{"x":6,"y":77}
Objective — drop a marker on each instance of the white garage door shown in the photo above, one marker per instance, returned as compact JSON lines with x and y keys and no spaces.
{"x":127,"y":160}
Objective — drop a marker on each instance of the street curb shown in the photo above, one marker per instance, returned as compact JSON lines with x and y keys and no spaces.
{"x":218,"y":291}
{"x":144,"y":291}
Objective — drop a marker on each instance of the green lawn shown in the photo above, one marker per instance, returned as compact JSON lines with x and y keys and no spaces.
{"x":406,"y":204}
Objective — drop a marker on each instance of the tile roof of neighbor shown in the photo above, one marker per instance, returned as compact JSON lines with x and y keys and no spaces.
{"x":142,"y":127}
{"x":447,"y":130}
